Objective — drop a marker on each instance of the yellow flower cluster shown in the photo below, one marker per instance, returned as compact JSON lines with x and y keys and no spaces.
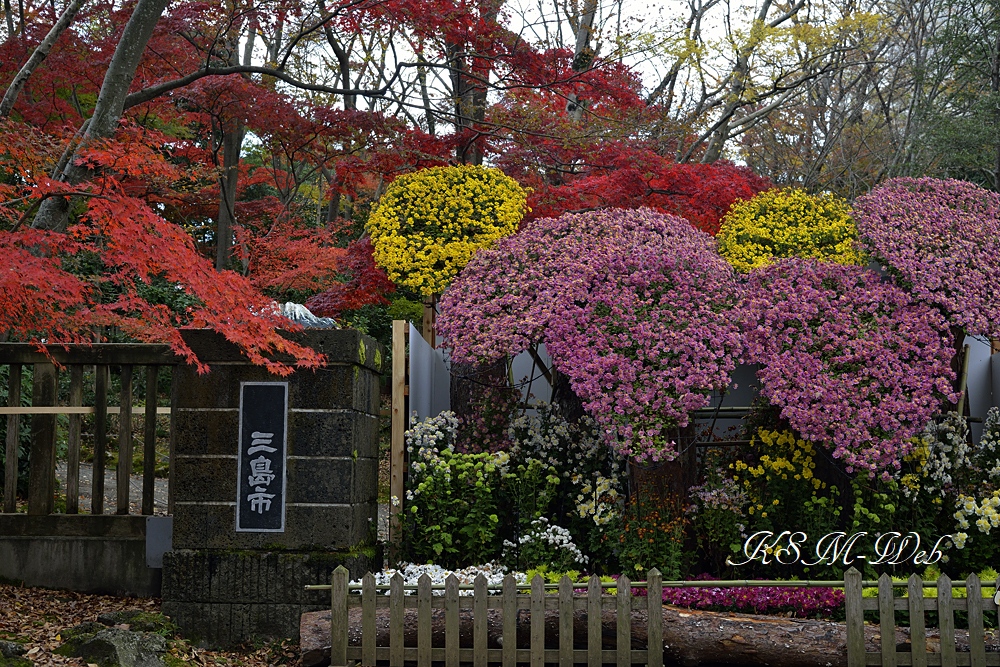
{"x":429,"y":223}
{"x":918,"y":459}
{"x":788,"y":223}
{"x":791,"y":457}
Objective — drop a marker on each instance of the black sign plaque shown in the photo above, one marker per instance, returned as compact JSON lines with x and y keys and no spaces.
{"x":260,"y":503}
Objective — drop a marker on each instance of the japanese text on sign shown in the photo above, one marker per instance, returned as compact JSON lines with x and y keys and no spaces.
{"x":261,"y":475}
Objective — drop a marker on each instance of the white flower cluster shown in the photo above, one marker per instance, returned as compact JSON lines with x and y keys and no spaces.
{"x":425,"y":441}
{"x":987,"y":457}
{"x":986,"y":510}
{"x":946,"y":448}
{"x":412,"y":572}
{"x":599,"y":500}
{"x":548,"y":437}
{"x":545,"y":535}
{"x":578,"y":453}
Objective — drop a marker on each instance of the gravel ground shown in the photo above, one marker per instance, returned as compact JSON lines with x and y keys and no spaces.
{"x":383,"y":522}
{"x":111,"y":490}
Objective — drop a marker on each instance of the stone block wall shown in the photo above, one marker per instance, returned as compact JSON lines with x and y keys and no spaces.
{"x":221,"y":598}
{"x":216,"y":573}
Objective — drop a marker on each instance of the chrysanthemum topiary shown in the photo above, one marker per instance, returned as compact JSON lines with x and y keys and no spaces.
{"x":429,"y":223}
{"x":941,"y":240}
{"x":633,"y":306}
{"x":788,"y":223}
{"x":853,"y":362}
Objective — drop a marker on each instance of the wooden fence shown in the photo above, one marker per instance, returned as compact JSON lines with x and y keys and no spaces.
{"x":592,"y":598}
{"x":916,"y":604}
{"x":130,"y":359}
{"x":510,"y":601}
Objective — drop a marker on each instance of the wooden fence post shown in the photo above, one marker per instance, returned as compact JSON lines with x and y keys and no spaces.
{"x":946,"y":621}
{"x":887,"y":621}
{"x":13,"y":441}
{"x":855,"y":619}
{"x":396,"y":612}
{"x":101,"y":381}
{"x":451,"y":622}
{"x":42,"y":475}
{"x":73,"y":441}
{"x":124,"y":471}
{"x":368,"y":653}
{"x":623,"y":622}
{"x":565,"y":622}
{"x":509,"y":621}
{"x":338,"y":617}
{"x":918,"y":630}
{"x":480,"y":618}
{"x":594,"y":644}
{"x":977,"y":642}
{"x":424,"y":635}
{"x":537,"y":621}
{"x":398,"y":428}
{"x":654,"y":616}
{"x":149,"y":442}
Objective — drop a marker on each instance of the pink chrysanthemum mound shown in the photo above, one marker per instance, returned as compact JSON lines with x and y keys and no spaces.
{"x":634,"y":307}
{"x":941,"y":238}
{"x":852,"y":361}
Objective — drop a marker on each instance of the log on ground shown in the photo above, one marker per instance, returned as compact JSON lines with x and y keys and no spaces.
{"x":690,"y":637}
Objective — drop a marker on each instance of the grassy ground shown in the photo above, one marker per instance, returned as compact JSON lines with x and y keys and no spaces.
{"x":37,"y":617}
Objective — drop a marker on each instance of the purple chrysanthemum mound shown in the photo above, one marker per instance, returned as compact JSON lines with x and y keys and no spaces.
{"x":852,"y":361}
{"x":942,"y":239}
{"x":634,"y":307}
{"x":504,"y":299}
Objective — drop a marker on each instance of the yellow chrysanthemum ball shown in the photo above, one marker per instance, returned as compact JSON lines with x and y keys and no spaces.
{"x":429,"y":223}
{"x":788,"y":223}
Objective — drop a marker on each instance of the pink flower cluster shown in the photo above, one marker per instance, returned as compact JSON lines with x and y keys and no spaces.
{"x":852,"y":361}
{"x":801,"y":600}
{"x":942,"y":239}
{"x":634,"y":307}
{"x":654,"y":335}
{"x":505,"y":298}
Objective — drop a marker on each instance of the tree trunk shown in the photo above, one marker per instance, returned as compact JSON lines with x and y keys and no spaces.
{"x":995,"y":87}
{"x":37,"y":56}
{"x":569,"y":404}
{"x":232,"y":142}
{"x":53,"y":212}
{"x":690,"y":637}
{"x":583,"y":56}
{"x":668,"y":480}
{"x":9,"y":15}
{"x":470,"y":384}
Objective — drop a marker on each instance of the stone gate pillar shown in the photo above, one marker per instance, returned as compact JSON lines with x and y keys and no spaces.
{"x":274,"y":484}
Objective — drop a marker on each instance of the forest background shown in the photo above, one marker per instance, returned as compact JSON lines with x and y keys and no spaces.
{"x":184,"y":163}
